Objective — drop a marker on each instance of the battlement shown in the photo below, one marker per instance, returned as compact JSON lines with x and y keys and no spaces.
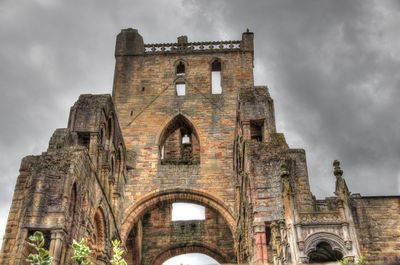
{"x":193,"y":47}
{"x":130,"y":42}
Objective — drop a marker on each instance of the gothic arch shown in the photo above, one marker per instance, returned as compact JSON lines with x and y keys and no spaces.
{"x":164,"y":126}
{"x":99,"y":230}
{"x":312,"y":242}
{"x":152,"y":200}
{"x":102,"y":134}
{"x":215,"y":60}
{"x":111,"y":129}
{"x":178,"y":62}
{"x":179,"y":142}
{"x":176,"y":250}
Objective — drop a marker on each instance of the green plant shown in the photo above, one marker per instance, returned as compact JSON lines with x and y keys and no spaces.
{"x":42,"y":256}
{"x":81,"y":252}
{"x":117,"y":258}
{"x":361,"y":261}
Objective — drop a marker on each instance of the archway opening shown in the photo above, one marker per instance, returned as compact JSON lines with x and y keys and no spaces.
{"x":192,"y":259}
{"x":155,"y":237}
{"x":324,"y":253}
{"x":179,"y":143}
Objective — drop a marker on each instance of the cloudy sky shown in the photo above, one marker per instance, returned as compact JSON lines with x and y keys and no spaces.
{"x":332,"y":68}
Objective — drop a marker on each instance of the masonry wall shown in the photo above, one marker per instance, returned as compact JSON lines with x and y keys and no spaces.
{"x":378,"y":228}
{"x":61,"y":191}
{"x":146,"y":101}
{"x":160,"y":234}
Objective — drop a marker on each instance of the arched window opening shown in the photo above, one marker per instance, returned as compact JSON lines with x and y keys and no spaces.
{"x":102,"y":136}
{"x":191,"y":258}
{"x":120,"y":169}
{"x":324,"y":253}
{"x":179,"y":143}
{"x":216,"y":77}
{"x":112,"y":169}
{"x":110,"y":128}
{"x":99,"y":233}
{"x":182,"y":211}
{"x":180,"y":69}
{"x":180,"y":88}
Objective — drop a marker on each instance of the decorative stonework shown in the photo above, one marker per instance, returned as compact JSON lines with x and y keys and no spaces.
{"x":311,"y":242}
{"x":321,"y":218}
{"x":192,"y":47}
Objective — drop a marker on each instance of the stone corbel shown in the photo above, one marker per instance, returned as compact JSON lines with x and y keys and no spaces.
{"x":304,"y":259}
{"x":300,"y":244}
{"x":349,"y":245}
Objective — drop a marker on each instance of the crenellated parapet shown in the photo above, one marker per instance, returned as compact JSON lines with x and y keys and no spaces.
{"x":130,"y":42}
{"x":192,"y":47}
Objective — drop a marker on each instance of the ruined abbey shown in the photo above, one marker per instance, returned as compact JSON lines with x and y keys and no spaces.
{"x":185,"y":123}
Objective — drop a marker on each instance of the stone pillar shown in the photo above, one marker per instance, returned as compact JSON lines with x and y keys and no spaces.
{"x":247,"y":43}
{"x":56,"y":246}
{"x":246,"y":130}
{"x":261,"y":243}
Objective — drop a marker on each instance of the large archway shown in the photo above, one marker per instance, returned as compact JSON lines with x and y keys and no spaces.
{"x":190,"y":248}
{"x":150,"y":201}
{"x":151,"y":236}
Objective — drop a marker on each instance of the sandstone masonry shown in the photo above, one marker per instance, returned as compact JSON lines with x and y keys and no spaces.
{"x":185,"y":123}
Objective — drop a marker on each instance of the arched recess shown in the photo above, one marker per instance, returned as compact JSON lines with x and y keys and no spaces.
{"x":177,"y":250}
{"x":152,"y":200}
{"x":110,"y":129}
{"x":323,"y":246}
{"x":99,"y":236}
{"x":179,"y":142}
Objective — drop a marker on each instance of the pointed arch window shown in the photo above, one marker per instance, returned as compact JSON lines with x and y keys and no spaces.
{"x":180,"y":82}
{"x":99,"y":235}
{"x":179,"y":143}
{"x":180,"y":69}
{"x":216,"y":87}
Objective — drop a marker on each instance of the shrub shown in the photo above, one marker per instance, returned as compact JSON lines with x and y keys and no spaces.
{"x":81,"y":252}
{"x":42,"y":256}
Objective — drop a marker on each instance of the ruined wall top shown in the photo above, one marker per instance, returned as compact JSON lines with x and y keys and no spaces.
{"x":130,"y":42}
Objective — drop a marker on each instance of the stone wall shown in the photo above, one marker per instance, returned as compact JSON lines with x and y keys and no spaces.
{"x":160,"y":236}
{"x":147,"y":103}
{"x":378,"y":228}
{"x":61,"y":191}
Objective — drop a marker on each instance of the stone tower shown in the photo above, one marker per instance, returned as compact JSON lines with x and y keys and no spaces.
{"x":185,"y":123}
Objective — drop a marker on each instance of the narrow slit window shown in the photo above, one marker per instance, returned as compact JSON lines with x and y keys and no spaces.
{"x":181,"y":89}
{"x":216,"y":77}
{"x":162,"y":152}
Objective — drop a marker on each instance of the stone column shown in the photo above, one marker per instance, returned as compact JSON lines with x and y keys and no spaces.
{"x":261,"y":243}
{"x":56,"y":246}
{"x":246,"y":130}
